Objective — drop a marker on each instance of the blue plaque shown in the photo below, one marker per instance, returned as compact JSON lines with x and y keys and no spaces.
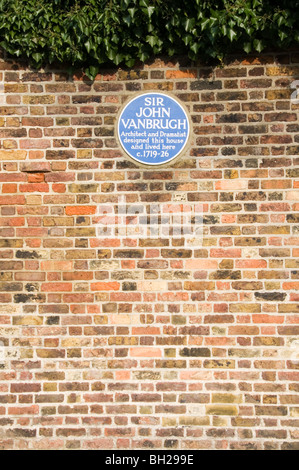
{"x":153,"y":128}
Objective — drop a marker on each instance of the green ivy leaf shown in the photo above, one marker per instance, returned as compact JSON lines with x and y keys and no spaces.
{"x":189,"y":24}
{"x":258,"y":45}
{"x":92,"y":72}
{"x":130,"y":62}
{"x":132,"y":12}
{"x":231,"y":34}
{"x":88,"y":45}
{"x":282,"y":35}
{"x":128,"y":20}
{"x":37,"y":57}
{"x":247,"y":47}
{"x":152,"y":40}
{"x":149,"y":11}
{"x":204,"y":24}
{"x":195,"y":47}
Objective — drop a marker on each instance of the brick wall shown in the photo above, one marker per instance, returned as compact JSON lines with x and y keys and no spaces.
{"x":131,"y":341}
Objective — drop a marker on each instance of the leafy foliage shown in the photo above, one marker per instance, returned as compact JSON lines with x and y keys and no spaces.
{"x":92,"y":32}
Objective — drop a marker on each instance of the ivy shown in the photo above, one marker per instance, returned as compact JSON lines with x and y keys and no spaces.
{"x":88,"y":33}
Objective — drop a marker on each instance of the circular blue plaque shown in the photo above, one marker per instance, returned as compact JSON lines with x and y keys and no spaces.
{"x":153,"y":128}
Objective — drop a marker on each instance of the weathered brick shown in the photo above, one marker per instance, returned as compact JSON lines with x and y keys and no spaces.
{"x":139,"y":336}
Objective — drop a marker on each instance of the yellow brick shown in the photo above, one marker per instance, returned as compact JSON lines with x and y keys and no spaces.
{"x":26,"y":353}
{"x":57,"y":221}
{"x":272,"y":285}
{"x":34,"y":200}
{"x":109,"y":176}
{"x":217,"y":421}
{"x":226,"y":398}
{"x":13,"y":154}
{"x":46,"y":99}
{"x":282,"y":70}
{"x":85,"y":153}
{"x":194,"y":421}
{"x":168,"y":421}
{"x":75,"y":342}
{"x":10,"y":144}
{"x":170,"y":352}
{"x":50,"y":387}
{"x":294,"y":412}
{"x":222,"y":410}
{"x":28,"y":320}
{"x":100,"y":319}
{"x":146,"y":410}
